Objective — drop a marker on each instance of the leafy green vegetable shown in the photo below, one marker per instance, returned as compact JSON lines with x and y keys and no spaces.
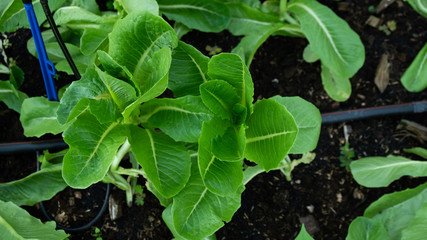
{"x":38,"y":117}
{"x":198,"y":212}
{"x":16,"y":223}
{"x":189,"y":148}
{"x":219,"y":176}
{"x":417,"y":228}
{"x":166,"y":163}
{"x":153,"y":34}
{"x":13,"y":15}
{"x":404,"y":204}
{"x":231,"y":68}
{"x":419,"y":5}
{"x":205,"y":16}
{"x":303,"y":234}
{"x":270,"y":135}
{"x":339,"y":48}
{"x":12,"y":97}
{"x":37,"y":187}
{"x":138,"y":5}
{"x":92,"y":149}
{"x":338,"y":88}
{"x":188,"y":70}
{"x":363,"y":228}
{"x":246,"y":20}
{"x":422,"y":152}
{"x":415,"y":77}
{"x":308,"y":120}
{"x":220,"y":97}
{"x":381,"y":171}
{"x":180,"y":118}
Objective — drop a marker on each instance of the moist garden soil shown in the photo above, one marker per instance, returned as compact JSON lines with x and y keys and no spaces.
{"x":322,"y":195}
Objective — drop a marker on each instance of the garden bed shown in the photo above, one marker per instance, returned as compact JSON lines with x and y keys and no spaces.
{"x":322,"y":195}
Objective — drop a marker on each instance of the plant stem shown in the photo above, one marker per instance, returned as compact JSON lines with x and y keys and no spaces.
{"x":120,"y":154}
{"x":288,"y":18}
{"x":117,"y":179}
{"x":131,"y":172}
{"x":252,"y":172}
{"x":285,"y":166}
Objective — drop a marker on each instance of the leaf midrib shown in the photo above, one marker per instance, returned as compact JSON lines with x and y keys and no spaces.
{"x":197,"y":65}
{"x":170,"y":108}
{"x":421,"y":65}
{"x":392,"y":165}
{"x":181,"y":6}
{"x":4,"y":223}
{"x":265,"y":137}
{"x":325,"y":30}
{"x":423,"y":8}
{"x":153,"y":149}
{"x":145,"y":54}
{"x":109,"y":129}
{"x":195,"y":206}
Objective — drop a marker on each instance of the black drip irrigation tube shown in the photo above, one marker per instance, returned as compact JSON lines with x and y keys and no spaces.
{"x":327,"y":118}
{"x":58,"y":37}
{"x":373,"y":112}
{"x":87,"y":225}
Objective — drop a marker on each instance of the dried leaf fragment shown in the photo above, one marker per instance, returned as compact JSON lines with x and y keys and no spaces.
{"x":383,"y":5}
{"x":382,"y":75}
{"x":412,"y":129}
{"x":373,"y":21}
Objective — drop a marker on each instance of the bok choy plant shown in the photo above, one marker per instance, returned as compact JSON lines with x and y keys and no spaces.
{"x":191,"y":148}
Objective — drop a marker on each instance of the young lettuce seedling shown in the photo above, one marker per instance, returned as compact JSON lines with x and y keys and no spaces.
{"x":190,"y":148}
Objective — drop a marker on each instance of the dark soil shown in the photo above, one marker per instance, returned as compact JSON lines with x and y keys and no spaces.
{"x":322,"y":195}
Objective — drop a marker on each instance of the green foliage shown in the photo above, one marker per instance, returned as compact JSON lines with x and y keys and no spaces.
{"x":116,"y":109}
{"x":9,"y":93}
{"x":139,"y":195}
{"x":415,"y":77}
{"x":381,"y":171}
{"x":397,"y":215}
{"x":420,"y":6}
{"x":13,"y":15}
{"x":97,"y":233}
{"x":36,"y":187}
{"x":18,"y":224}
{"x":363,"y":228}
{"x":303,"y":234}
{"x":346,"y":156}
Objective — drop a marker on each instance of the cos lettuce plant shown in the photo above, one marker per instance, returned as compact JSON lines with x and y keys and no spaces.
{"x":415,"y":77}
{"x":398,"y":215}
{"x":330,"y":38}
{"x":189,"y":148}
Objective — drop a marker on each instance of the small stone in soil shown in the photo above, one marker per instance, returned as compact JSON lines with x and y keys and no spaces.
{"x":61,"y":217}
{"x":310,"y":208}
{"x":71,"y":201}
{"x":339,"y":197}
{"x":78,"y":194}
{"x":358,"y":194}
{"x":310,"y":223}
